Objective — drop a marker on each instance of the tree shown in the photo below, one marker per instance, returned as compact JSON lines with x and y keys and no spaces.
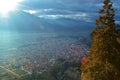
{"x":104,"y":56}
{"x":107,"y":13}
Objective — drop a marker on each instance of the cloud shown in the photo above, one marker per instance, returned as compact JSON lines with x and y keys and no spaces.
{"x":58,"y":13}
{"x":66,"y":8}
{"x":35,"y":11}
{"x":31,"y":11}
{"x":79,"y":9}
{"x":117,"y":22}
{"x":78,"y":15}
{"x":46,"y":10}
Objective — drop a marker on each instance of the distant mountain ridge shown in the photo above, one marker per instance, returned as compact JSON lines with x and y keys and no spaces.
{"x":24,"y":22}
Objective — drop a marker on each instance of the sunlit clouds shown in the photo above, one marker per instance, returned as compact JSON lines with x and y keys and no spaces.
{"x":31,"y":11}
{"x":72,"y":16}
{"x":56,"y":14}
{"x":69,"y":9}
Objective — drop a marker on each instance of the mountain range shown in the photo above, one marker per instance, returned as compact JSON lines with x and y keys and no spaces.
{"x":20,"y":21}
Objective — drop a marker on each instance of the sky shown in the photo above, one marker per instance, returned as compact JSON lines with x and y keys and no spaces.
{"x":86,"y":10}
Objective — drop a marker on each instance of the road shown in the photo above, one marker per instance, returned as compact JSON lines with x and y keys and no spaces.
{"x":10,"y":71}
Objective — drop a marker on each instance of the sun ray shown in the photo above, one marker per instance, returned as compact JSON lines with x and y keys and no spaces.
{"x":8,"y":5}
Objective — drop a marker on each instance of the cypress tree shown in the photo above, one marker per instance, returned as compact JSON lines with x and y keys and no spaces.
{"x":103,"y":61}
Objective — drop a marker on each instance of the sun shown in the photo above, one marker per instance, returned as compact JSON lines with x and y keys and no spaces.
{"x":8,"y":5}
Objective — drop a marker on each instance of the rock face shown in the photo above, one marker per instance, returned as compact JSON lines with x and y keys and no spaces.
{"x":104,"y":57}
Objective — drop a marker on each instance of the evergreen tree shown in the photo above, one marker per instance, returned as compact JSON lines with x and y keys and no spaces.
{"x":103,"y":61}
{"x":106,"y":18}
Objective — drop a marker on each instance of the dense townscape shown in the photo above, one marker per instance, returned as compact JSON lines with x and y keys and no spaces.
{"x":40,"y":54}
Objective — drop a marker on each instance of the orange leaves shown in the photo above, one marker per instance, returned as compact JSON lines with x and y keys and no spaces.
{"x":84,"y":60}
